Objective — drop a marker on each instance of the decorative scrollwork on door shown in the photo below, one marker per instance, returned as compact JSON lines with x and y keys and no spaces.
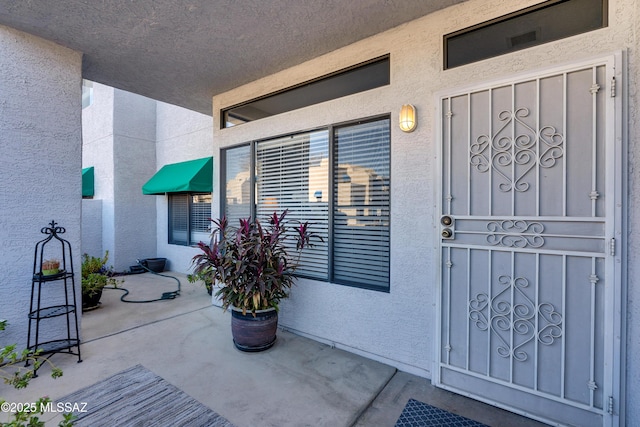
{"x":515,"y":234}
{"x":505,"y":149}
{"x":511,"y":314}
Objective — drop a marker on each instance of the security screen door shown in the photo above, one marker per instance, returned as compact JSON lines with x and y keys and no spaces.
{"x":527,"y":248}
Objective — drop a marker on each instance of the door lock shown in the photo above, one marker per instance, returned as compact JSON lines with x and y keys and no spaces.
{"x":448,"y":227}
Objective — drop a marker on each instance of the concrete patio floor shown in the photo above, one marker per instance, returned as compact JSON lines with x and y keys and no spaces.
{"x":187,"y":341}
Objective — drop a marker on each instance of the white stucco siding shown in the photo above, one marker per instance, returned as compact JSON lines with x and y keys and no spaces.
{"x":134,"y":152}
{"x":40,"y":166}
{"x":97,"y":151}
{"x":92,"y":227}
{"x":399,"y":327}
{"x":97,"y":118}
{"x":119,"y":142}
{"x":182,"y":135}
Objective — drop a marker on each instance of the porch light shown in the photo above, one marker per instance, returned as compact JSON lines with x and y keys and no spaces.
{"x":408,"y":120}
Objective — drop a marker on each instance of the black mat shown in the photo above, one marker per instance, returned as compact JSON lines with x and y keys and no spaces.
{"x":418,"y":414}
{"x":138,"y":397}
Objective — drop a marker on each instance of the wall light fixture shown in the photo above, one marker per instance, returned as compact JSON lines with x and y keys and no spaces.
{"x":408,"y":120}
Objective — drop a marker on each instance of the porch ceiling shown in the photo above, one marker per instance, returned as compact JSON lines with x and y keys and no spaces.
{"x":185,"y":52}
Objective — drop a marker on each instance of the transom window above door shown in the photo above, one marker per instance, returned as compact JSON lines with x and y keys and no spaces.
{"x":542,"y":23}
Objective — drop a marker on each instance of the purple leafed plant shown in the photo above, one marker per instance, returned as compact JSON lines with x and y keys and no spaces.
{"x":252,"y":264}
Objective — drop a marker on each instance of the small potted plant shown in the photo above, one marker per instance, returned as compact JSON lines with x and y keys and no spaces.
{"x":50,"y":267}
{"x":203,"y":276}
{"x":95,"y":276}
{"x":252,"y":266}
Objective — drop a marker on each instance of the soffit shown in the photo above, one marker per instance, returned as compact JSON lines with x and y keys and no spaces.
{"x":185,"y":52}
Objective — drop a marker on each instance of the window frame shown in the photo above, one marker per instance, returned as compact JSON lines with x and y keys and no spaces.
{"x":334,"y":85}
{"x":190,"y":212}
{"x":331,"y":130}
{"x":522,"y":13}
{"x":332,"y":208}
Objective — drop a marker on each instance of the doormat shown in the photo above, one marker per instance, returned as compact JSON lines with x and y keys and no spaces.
{"x":418,"y":414}
{"x":138,"y":397}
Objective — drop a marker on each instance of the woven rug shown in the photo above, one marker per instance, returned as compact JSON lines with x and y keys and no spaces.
{"x":138,"y":397}
{"x":418,"y":414}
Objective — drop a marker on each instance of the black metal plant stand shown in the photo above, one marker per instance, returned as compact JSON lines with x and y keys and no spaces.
{"x":53,"y":246}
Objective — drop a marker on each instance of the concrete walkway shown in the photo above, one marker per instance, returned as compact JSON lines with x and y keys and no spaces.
{"x":187,"y":341}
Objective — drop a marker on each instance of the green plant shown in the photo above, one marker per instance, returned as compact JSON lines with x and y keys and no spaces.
{"x":203,"y":276}
{"x":26,"y":416}
{"x":96,"y":275}
{"x":251,"y":263}
{"x":50,"y":266}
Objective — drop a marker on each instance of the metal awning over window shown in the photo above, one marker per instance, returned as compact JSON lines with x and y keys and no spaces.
{"x":87,"y":182}
{"x":195,"y":176}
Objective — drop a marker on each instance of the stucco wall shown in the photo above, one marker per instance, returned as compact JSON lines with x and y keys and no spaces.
{"x":40,"y":166}
{"x":399,"y":327}
{"x":181,"y":135}
{"x":97,"y":151}
{"x":119,"y":142}
{"x":134,"y":152}
{"x":92,"y":227}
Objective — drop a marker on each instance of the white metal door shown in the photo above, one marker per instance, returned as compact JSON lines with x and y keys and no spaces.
{"x":528,"y":279}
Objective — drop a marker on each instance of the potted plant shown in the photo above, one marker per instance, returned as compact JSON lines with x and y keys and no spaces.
{"x":252,"y":266}
{"x":50,"y":267}
{"x":203,"y":276}
{"x":95,"y":276}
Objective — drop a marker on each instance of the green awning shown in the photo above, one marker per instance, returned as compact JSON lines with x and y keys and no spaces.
{"x":195,"y":176}
{"x":87,"y":182}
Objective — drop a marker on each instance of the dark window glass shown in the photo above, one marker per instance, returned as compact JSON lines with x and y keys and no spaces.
{"x":189,"y":218}
{"x":539,"y":24}
{"x":363,"y":77}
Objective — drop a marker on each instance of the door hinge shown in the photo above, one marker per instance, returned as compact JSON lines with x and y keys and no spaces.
{"x":610,"y":408}
{"x":613,"y":87}
{"x":612,"y":247}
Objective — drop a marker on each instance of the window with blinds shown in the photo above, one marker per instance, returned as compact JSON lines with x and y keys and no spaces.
{"x":361,"y":204}
{"x":179,"y":219}
{"x":189,"y":218}
{"x":292,"y":174}
{"x":200,"y":213}
{"x":350,"y":209}
{"x":237,"y":178}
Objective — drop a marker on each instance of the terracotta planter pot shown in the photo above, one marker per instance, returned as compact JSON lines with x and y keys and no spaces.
{"x":254,"y":333}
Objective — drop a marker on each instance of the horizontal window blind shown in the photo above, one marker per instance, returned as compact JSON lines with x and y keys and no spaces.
{"x":178,"y":219}
{"x":361,"y":205}
{"x":292,"y":173}
{"x":189,"y":218}
{"x":238,"y":183}
{"x":200,"y":214}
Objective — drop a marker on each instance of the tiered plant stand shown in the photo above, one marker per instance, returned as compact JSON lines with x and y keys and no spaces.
{"x":53,"y":246}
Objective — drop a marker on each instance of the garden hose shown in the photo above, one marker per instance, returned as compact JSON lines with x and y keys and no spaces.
{"x":165,"y":295}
